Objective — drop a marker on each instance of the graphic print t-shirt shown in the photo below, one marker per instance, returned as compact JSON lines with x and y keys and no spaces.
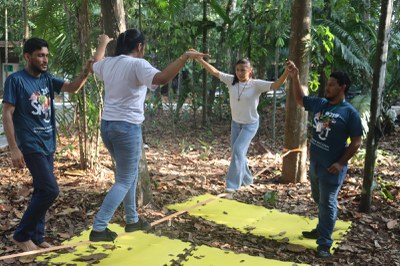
{"x":338,"y":123}
{"x":33,"y":118}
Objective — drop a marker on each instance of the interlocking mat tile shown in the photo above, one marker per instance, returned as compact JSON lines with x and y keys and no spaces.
{"x":145,"y":249}
{"x":258,"y":220}
{"x":208,"y":256}
{"x":136,"y":248}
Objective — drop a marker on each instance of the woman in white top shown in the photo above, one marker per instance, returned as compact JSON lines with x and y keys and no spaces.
{"x":244,"y":94}
{"x":126,"y":77}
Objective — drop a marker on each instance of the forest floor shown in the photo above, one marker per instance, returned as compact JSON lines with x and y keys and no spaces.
{"x":184,"y":161}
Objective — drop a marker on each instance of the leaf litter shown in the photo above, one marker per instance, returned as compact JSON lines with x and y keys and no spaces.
{"x":179,"y":170}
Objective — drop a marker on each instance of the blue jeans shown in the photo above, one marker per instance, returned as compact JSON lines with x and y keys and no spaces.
{"x":124,"y":142}
{"x":239,"y":173}
{"x":45,"y":191}
{"x":325,"y":189}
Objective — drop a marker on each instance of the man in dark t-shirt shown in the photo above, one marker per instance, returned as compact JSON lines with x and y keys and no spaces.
{"x":29,"y":125}
{"x":335,"y":121}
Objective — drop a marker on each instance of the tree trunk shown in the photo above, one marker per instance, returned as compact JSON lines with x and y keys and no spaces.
{"x":84,"y":40}
{"x":204,"y":107}
{"x":113,"y":15}
{"x":378,"y":85}
{"x":114,"y":23}
{"x":294,"y":164}
{"x":277,"y":54}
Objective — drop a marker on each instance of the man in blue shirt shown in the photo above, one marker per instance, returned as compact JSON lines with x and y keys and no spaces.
{"x":29,"y":125}
{"x":334,"y":122}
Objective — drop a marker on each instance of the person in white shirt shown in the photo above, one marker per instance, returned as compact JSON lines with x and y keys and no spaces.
{"x":126,"y":77}
{"x":244,"y":93}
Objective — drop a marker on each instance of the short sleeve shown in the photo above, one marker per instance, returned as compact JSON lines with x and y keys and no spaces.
{"x":262,"y":85}
{"x":145,"y":73}
{"x":10,"y":87}
{"x":98,"y":69}
{"x":355,"y":126}
{"x":57,"y":83}
{"x":226,"y":78}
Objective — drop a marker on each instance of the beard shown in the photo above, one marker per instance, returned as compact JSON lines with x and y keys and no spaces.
{"x":37,"y":69}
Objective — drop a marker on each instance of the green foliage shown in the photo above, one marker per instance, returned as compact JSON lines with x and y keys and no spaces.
{"x":362,"y":104}
{"x":270,"y":197}
{"x":185,"y":146}
{"x":384,"y":187}
{"x":206,"y":150}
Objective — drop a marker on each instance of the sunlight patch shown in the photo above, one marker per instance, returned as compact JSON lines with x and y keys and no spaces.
{"x":260,"y":221}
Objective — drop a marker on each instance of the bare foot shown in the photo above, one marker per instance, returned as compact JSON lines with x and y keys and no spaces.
{"x":26,"y":246}
{"x":44,"y":244}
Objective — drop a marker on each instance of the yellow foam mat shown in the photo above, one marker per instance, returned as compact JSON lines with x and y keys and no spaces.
{"x":145,"y":249}
{"x":258,"y":220}
{"x":207,"y":256}
{"x":136,"y":248}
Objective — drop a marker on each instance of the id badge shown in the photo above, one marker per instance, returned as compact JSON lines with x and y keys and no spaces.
{"x":319,"y":127}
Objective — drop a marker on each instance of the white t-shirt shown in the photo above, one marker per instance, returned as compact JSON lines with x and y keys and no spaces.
{"x":244,"y":111}
{"x":126,"y":80}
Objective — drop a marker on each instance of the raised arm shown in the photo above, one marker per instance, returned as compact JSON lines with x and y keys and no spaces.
{"x":78,"y":82}
{"x":101,"y":49}
{"x":297,"y":89}
{"x":278,"y":83}
{"x":210,"y":69}
{"x":173,"y":68}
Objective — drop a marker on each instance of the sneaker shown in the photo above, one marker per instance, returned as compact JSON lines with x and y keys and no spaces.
{"x":106,"y":235}
{"x":313,"y":234}
{"x":323,"y":252}
{"x":139,"y":225}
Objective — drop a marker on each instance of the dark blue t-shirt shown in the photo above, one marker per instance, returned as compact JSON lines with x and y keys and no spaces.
{"x":337,"y":124}
{"x":33,"y":118}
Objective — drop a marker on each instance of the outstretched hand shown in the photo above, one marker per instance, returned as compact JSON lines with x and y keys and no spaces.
{"x":193,"y":54}
{"x":292,"y":68}
{"x":104,"y":39}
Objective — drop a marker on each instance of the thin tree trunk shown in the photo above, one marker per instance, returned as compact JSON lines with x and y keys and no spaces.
{"x":376,"y":103}
{"x":277,"y":52}
{"x":294,"y":164}
{"x":204,"y":74}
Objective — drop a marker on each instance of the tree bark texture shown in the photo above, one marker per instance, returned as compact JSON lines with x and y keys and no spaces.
{"x":294,"y":164}
{"x":113,"y":14}
{"x":378,"y":84}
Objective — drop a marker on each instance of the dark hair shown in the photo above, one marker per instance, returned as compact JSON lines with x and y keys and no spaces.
{"x":342,"y":79}
{"x":243,"y":61}
{"x":34,"y":44}
{"x":128,"y":41}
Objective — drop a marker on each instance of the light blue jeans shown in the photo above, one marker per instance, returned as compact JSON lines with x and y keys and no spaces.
{"x":239,"y":173}
{"x":124,"y":142}
{"x":325,"y":188}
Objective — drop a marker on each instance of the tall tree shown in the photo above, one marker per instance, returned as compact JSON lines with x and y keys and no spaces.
{"x":378,"y":84}
{"x":294,"y":164}
{"x":113,"y":15}
{"x":204,"y":48}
